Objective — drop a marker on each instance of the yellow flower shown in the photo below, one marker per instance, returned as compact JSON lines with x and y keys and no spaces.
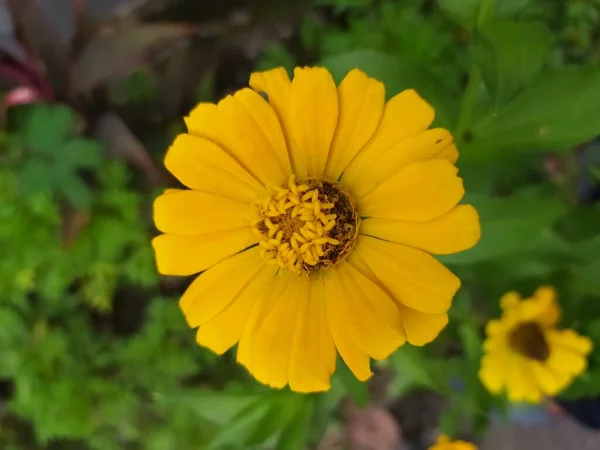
{"x":312,"y":213}
{"x":525,"y":354}
{"x":444,"y":443}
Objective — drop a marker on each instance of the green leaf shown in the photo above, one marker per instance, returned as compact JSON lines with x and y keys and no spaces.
{"x":76,"y":192}
{"x":47,"y":127}
{"x":356,"y":389}
{"x":396,"y":75}
{"x":463,"y":12}
{"x":451,"y":419}
{"x":556,"y":113}
{"x":81,"y":153}
{"x":509,"y":225}
{"x":217,"y":407}
{"x":36,"y":176}
{"x":413,"y":369}
{"x":586,"y":278}
{"x":510,"y":55}
{"x":466,"y":12}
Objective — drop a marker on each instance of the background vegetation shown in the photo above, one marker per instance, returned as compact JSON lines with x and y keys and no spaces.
{"x":94,"y":352}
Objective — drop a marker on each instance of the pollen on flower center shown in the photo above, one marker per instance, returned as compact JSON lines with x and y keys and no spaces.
{"x":307,"y":226}
{"x":528,"y":339}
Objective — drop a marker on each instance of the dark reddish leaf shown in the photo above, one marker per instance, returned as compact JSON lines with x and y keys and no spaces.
{"x":8,"y":41}
{"x":14,"y":74}
{"x":120,"y":143}
{"x":61,"y":14}
{"x":120,"y":52}
{"x":106,"y":9}
{"x":43,"y":39}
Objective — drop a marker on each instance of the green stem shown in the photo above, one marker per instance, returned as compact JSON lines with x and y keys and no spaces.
{"x":466,"y":106}
{"x":486,"y":10}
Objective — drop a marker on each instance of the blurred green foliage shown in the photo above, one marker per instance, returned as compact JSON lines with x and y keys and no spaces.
{"x":95,"y":352}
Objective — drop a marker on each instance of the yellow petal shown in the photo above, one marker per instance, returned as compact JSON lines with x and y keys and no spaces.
{"x":216,"y":288}
{"x":194,"y":212}
{"x":356,"y":359}
{"x":313,"y":352}
{"x":493,"y":372}
{"x":204,"y":166}
{"x":314,"y":117}
{"x":274,"y":338}
{"x":267,"y":339}
{"x":454,"y":232}
{"x":421,"y":328}
{"x":549,"y":381}
{"x":277,"y":86}
{"x":450,"y":153}
{"x":510,"y":300}
{"x":371,"y":316}
{"x":368,"y":170}
{"x":361,"y":102}
{"x":187,"y":255}
{"x":568,"y":351}
{"x":413,"y":277}
{"x":520,"y":385}
{"x":255,"y":136}
{"x":224,"y":330}
{"x":420,"y":192}
{"x":404,"y":115}
{"x":246,"y":127}
{"x":550,"y":314}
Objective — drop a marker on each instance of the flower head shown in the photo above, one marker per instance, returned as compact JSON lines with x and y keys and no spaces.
{"x":444,"y":443}
{"x":312,"y":213}
{"x":525,"y":354}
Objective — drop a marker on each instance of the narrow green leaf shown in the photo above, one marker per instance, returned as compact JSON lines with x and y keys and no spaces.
{"x":240,"y":430}
{"x":472,"y":343}
{"x":295,"y":434}
{"x":217,"y":407}
{"x":283,"y":407}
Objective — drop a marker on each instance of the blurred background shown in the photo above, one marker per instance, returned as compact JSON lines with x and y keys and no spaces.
{"x":94,"y":351}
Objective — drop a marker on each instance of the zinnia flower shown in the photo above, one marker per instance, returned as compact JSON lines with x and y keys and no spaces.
{"x":444,"y":443}
{"x":525,"y":354}
{"x":312,"y":213}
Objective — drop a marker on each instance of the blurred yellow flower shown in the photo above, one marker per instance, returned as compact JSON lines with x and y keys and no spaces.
{"x":313,"y":211}
{"x":444,"y":443}
{"x":525,"y":354}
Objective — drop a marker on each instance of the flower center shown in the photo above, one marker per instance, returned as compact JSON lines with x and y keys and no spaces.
{"x":307,"y":226}
{"x":528,"y":339}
